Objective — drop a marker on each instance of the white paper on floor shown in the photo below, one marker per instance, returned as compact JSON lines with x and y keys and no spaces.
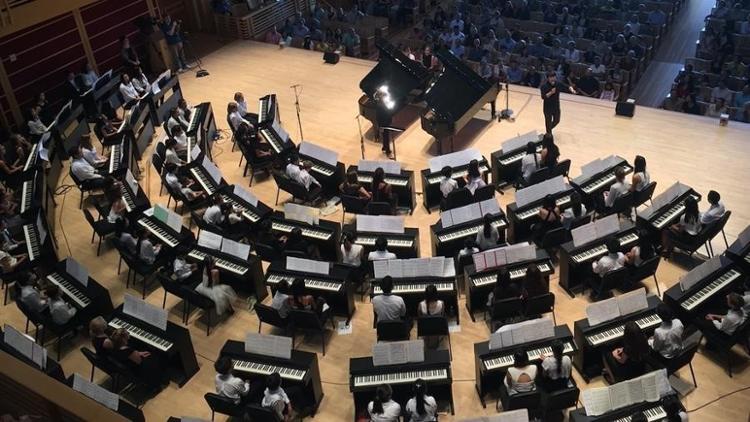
{"x":681,"y":386}
{"x":453,"y":327}
{"x":342,"y":328}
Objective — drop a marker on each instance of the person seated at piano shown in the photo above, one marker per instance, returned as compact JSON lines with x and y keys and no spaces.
{"x":431,"y":305}
{"x":90,"y":154}
{"x":175,"y":119}
{"x":31,"y":296}
{"x":352,"y":187}
{"x":673,"y":407}
{"x":447,"y":183}
{"x":170,"y":153}
{"x":387,"y":306}
{"x":128,"y":241}
{"x":21,"y":147}
{"x":667,"y":338}
{"x":184,"y":110}
{"x":351,"y":253}
{"x":118,"y":209}
{"x":638,"y":416}
{"x":84,"y":171}
{"x":8,"y":204}
{"x":10,"y":263}
{"x":105,"y":129}
{"x":147,"y":251}
{"x":521,"y":377}
{"x":235,"y":118}
{"x":305,"y":178}
{"x":145,"y":365}
{"x":276,"y":399}
{"x":614,"y":259}
{"x":640,"y":178}
{"x":184,"y":185}
{"x":715,"y":211}
{"x":35,"y":124}
{"x":246,"y":135}
{"x":618,"y":189}
{"x":505,"y":288}
{"x":470,"y":248}
{"x":381,"y":190}
{"x":9,"y":172}
{"x":281,"y":300}
{"x":239,"y":98}
{"x":530,"y":163}
{"x":488,"y":237}
{"x":129,"y":94}
{"x":549,"y":218}
{"x":99,"y":339}
{"x":534,"y":283}
{"x":381,"y":250}
{"x":178,"y":134}
{"x":140,"y":81}
{"x":556,"y":368}
{"x":383,"y":408}
{"x":183,"y":270}
{"x":735,"y":316}
{"x":221,"y":294}
{"x":421,"y":407}
{"x":220,"y":213}
{"x":60,"y":310}
{"x":576,"y":211}
{"x":550,"y":152}
{"x":7,"y":242}
{"x":229,"y":386}
{"x":642,"y":251}
{"x":628,"y":361}
{"x":473,"y":177}
{"x":303,"y":300}
{"x":688,"y":227}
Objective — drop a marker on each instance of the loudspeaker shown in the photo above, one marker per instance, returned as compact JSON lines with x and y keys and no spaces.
{"x":625,"y":108}
{"x":331,"y":57}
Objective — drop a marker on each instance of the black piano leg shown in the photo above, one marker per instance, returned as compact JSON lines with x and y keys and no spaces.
{"x":492,"y":107}
{"x":452,"y":148}
{"x":481,"y":397}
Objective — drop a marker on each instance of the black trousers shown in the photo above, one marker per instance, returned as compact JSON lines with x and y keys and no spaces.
{"x":385,"y":138}
{"x":551,"y":118}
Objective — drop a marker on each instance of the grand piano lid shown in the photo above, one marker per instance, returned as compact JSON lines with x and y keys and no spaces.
{"x":395,"y":70}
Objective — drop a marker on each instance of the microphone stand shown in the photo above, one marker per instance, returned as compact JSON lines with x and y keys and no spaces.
{"x":506,"y":114}
{"x":361,"y":137}
{"x":296,"y":105}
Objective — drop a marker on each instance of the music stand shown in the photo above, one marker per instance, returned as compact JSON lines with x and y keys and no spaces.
{"x":393,"y":139}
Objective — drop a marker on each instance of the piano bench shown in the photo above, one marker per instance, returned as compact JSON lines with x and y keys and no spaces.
{"x":530,"y":400}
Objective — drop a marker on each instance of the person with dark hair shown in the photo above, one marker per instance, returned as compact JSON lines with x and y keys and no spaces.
{"x":556,"y":368}
{"x":488,"y":237}
{"x":447,"y":183}
{"x":128,"y":241}
{"x":521,"y":377}
{"x":715,"y":211}
{"x":421,"y":407}
{"x":221,"y":294}
{"x":551,"y":96}
{"x":383,"y":118}
{"x":227,"y":385}
{"x":281,"y":299}
{"x":275,"y":398}
{"x":82,"y":170}
{"x":352,"y":187}
{"x":574,"y":212}
{"x":128,"y":53}
{"x":640,"y":178}
{"x":734,"y":317}
{"x":183,"y":270}
{"x":473,"y":177}
{"x":295,"y":241}
{"x":685,"y":230}
{"x":301,"y":298}
{"x":638,"y":417}
{"x":184,"y":185}
{"x":667,"y":339}
{"x":612,"y":261}
{"x":147,"y":251}
{"x":144,"y":364}
{"x":628,"y":361}
{"x":534,"y":283}
{"x":387,"y":306}
{"x":235,"y":118}
{"x":618,"y":189}
{"x":549,"y":217}
{"x":30,"y":295}
{"x":431,"y":305}
{"x":642,"y":251}
{"x":380,"y":189}
{"x":674,"y":409}
{"x":382,"y":408}
{"x":550,"y":151}
{"x":90,"y":154}
{"x":530,"y":162}
{"x":381,"y":250}
{"x":504,"y":288}
{"x":470,"y":247}
{"x":60,"y":310}
{"x":129,"y":94}
{"x":351,"y":253}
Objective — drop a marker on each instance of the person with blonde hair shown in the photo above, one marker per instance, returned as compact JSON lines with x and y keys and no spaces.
{"x":99,"y":338}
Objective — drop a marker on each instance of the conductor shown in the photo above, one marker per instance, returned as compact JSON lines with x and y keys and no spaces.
{"x":551,"y":97}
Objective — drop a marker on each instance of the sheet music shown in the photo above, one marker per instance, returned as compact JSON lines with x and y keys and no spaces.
{"x":620,"y":393}
{"x":496,"y":341}
{"x":533,"y":193}
{"x":454,"y":159}
{"x":535,"y":329}
{"x":520,"y":252}
{"x":95,"y":392}
{"x":446,"y":219}
{"x":584,"y":234}
{"x":632,"y":301}
{"x":699,"y":273}
{"x":491,"y":260}
{"x":380,"y":268}
{"x":489,"y":206}
{"x":145,"y":312}
{"x":160,"y":213}
{"x":519,"y":141}
{"x":325,"y":155}
{"x":195,"y":152}
{"x":301,"y":213}
{"x":77,"y":271}
{"x":389,"y":167}
{"x":596,"y":401}
{"x":421,"y":267}
{"x":307,"y":265}
{"x":245,"y":195}
{"x":237,"y":249}
{"x":397,"y":352}
{"x":41,"y":229}
{"x":466,"y":213}
{"x":500,"y":257}
{"x":210,"y":240}
{"x":480,"y":262}
{"x":520,"y":415}
{"x":409,"y":269}
{"x":436,"y":266}
{"x":174,"y":221}
{"x":602,"y":311}
{"x":449,"y":268}
{"x":590,"y":168}
{"x":18,"y":341}
{"x":607,"y":225}
{"x":279,"y":130}
{"x":380,"y":223}
{"x":130,"y":180}
{"x":268,"y":345}
{"x":43,"y":152}
{"x":212,"y":170}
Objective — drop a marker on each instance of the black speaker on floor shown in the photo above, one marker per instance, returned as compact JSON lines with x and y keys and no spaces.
{"x":331,"y":57}
{"x":625,"y":108}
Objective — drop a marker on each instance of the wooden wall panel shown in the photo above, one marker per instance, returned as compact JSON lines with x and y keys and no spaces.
{"x":106,"y":22}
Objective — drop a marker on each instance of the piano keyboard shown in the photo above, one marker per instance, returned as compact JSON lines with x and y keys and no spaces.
{"x":194,"y":120}
{"x":115,"y":157}
{"x":221,"y":263}
{"x":69,"y":289}
{"x":747,"y":258}
{"x":31,"y":159}
{"x":159,"y":232}
{"x":264,"y":107}
{"x":325,"y":171}
{"x":457,"y":174}
{"x":400,"y":377}
{"x":129,"y":201}
{"x":670,"y":214}
{"x":265,"y":369}
{"x":32,"y":241}
{"x":653,"y":414}
{"x":253,"y":217}
{"x":415,"y":288}
{"x":142,"y":335}
{"x":272,"y":138}
{"x":703,"y":294}
{"x":523,"y":215}
{"x":644,"y":323}
{"x":534,"y":355}
{"x":469,"y":231}
{"x":517,"y":156}
{"x":392,"y":242}
{"x":362,"y":178}
{"x":204,"y":180}
{"x":310,"y":283}
{"x":307,"y":232}
{"x":514,"y":274}
{"x":602,"y":249}
{"x":27,"y":194}
{"x":600,"y":182}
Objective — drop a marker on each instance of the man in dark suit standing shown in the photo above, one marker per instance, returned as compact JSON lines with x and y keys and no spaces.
{"x":551,"y":97}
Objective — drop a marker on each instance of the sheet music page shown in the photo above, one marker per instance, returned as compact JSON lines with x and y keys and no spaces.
{"x":525,"y":196}
{"x":475,"y":211}
{"x":583,"y":234}
{"x":41,"y":229}
{"x":698,"y":273}
{"x":496,"y":341}
{"x":449,"y":267}
{"x":489,"y":206}
{"x":519,"y":141}
{"x":307,"y":265}
{"x":95,"y":392}
{"x":160,"y":213}
{"x":590,"y":168}
{"x":195,"y":152}
{"x":174,"y":221}
{"x":240,"y":250}
{"x":409,"y":268}
{"x":210,"y":240}
{"x":446,"y":219}
{"x":268,"y":345}
{"x":500,"y":256}
{"x":381,"y":354}
{"x":380,"y":268}
{"x":520,"y":252}
{"x":607,"y":225}
{"x":43,"y":152}
{"x":415,"y":351}
{"x":619,"y":395}
{"x":602,"y":311}
{"x":422,"y":267}
{"x":507,"y":335}
{"x":380,"y":223}
{"x":325,"y":155}
{"x":39,"y":355}
{"x":212,"y":170}
{"x":18,"y":341}
{"x":78,"y":271}
{"x":454,"y":159}
{"x":480,"y":263}
{"x":538,"y":329}
{"x":155,"y":87}
{"x":149,"y":212}
{"x":145,"y":312}
{"x":131,"y":181}
{"x":596,"y":401}
{"x":436,"y":266}
{"x":245,"y":195}
{"x":635,"y":390}
{"x":632,"y":301}
{"x":662,"y":382}
{"x":520,"y":415}
{"x":461,"y":215}
{"x":389,"y":167}
{"x":279,"y":130}
{"x":650,"y":387}
{"x":396,"y":268}
{"x":398,"y":353}
{"x":301,"y":213}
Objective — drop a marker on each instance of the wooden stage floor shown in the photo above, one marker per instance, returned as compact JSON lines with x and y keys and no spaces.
{"x":693,"y":150}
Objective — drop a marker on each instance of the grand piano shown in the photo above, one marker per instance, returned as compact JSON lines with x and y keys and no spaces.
{"x":521,"y":216}
{"x":597,"y":177}
{"x":402,"y":184}
{"x":454,"y":98}
{"x":406,"y":80}
{"x":506,"y":162}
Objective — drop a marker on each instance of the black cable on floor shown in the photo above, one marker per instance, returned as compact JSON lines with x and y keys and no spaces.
{"x":723,"y":396}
